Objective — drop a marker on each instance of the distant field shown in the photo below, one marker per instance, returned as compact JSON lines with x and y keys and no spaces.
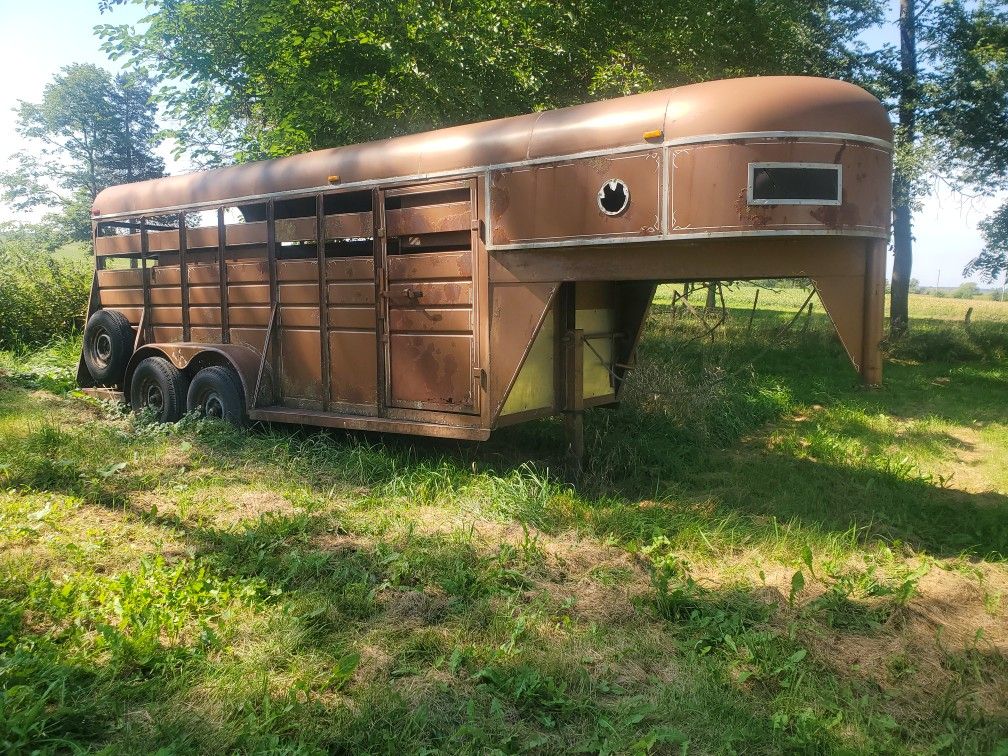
{"x":74,"y":251}
{"x":740,"y":296}
{"x":761,"y":557}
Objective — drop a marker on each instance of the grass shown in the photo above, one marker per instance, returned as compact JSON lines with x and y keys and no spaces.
{"x":761,"y":557}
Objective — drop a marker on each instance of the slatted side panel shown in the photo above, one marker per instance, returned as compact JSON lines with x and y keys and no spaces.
{"x":353,"y":342}
{"x":204,"y":303}
{"x":166,"y":303}
{"x":248,"y":302}
{"x":430,"y":298}
{"x":349,"y":282}
{"x":298,"y":335}
{"x":122,"y":290}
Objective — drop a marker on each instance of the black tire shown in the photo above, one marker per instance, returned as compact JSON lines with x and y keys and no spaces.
{"x":161,"y":386}
{"x":108,"y":345}
{"x":217,"y":392}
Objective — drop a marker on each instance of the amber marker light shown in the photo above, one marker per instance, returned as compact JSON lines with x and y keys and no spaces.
{"x":334,"y":179}
{"x":654,"y":134}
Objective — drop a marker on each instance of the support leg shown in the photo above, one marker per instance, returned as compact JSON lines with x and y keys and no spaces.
{"x":574,"y":401}
{"x":874,"y":313}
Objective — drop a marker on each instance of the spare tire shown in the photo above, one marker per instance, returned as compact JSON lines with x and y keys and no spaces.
{"x":108,"y":345}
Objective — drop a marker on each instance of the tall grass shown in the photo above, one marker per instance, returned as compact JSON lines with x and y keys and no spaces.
{"x":41,"y":294}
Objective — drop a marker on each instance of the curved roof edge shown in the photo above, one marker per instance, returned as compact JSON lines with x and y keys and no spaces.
{"x":716,"y":108}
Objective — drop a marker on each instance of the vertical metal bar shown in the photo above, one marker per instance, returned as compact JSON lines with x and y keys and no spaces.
{"x":381,"y":300}
{"x":84,"y":379}
{"x":262,"y":360}
{"x":574,"y":400}
{"x":225,"y":320}
{"x":145,"y":330}
{"x":874,"y":312}
{"x":477,"y":296}
{"x":323,"y":296}
{"x":563,"y":315}
{"x":138,"y":340}
{"x":184,"y":276}
{"x":271,"y":260}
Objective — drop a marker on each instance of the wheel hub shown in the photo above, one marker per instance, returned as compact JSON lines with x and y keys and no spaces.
{"x":103,"y":348}
{"x":213,"y":406}
{"x":155,"y":399}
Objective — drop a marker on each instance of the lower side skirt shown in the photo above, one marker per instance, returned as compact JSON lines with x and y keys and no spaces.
{"x":328,"y":420}
{"x":384,"y":425}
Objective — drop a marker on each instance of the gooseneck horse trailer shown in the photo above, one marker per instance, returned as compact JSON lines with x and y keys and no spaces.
{"x":453,"y":282}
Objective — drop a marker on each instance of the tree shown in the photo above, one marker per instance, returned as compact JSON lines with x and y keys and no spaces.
{"x":952,"y":107}
{"x":92,"y":130}
{"x":966,"y":290}
{"x":992,"y":261}
{"x":263,"y":78}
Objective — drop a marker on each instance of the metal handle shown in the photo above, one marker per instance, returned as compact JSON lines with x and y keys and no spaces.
{"x":412,"y":294}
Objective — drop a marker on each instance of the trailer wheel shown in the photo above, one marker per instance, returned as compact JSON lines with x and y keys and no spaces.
{"x":161,"y":386}
{"x":216,"y":391}
{"x":108,"y":345}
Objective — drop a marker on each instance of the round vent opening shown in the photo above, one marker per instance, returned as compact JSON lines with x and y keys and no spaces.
{"x":614,"y":197}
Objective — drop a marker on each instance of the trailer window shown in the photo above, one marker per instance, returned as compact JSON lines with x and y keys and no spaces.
{"x":795,"y":184}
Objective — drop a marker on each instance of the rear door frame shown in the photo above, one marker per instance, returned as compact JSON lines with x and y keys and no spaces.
{"x":390,"y":407}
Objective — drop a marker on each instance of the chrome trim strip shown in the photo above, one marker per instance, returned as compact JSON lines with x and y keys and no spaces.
{"x":475,"y":170}
{"x":616,"y":241}
{"x":831,"y":135}
{"x":665,"y":183}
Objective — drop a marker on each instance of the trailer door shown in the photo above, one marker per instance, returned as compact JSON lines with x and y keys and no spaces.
{"x":428,"y":297}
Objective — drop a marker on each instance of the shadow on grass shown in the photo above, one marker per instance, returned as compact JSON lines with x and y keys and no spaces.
{"x":475,"y":672}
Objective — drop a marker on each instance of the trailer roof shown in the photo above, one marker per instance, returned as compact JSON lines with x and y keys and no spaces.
{"x":780,"y":105}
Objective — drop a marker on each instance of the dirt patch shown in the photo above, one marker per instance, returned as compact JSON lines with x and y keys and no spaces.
{"x":218,"y":507}
{"x":933,"y":644}
{"x":970,"y":454}
{"x":598,"y":582}
{"x":337,"y":542}
{"x":414,"y":608}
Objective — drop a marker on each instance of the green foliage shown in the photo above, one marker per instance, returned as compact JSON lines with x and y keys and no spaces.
{"x":966,"y":290}
{"x":992,"y":261}
{"x":42,"y":295}
{"x":948,"y":89}
{"x":267,"y":78}
{"x":141,"y":623}
{"x":91,"y":130}
{"x":939,"y":342}
{"x":968,"y":89}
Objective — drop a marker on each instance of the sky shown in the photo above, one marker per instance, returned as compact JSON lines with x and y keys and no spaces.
{"x":42,"y":37}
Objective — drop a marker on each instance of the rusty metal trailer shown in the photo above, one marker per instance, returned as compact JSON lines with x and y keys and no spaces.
{"x":450,"y":283}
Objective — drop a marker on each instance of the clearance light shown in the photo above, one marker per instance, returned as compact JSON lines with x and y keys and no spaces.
{"x":334,"y":179}
{"x":654,"y":134}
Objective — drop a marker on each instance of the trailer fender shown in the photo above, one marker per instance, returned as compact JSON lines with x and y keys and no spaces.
{"x":191,"y":358}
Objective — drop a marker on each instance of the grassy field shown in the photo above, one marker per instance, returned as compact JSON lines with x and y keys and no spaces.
{"x":760,"y":557}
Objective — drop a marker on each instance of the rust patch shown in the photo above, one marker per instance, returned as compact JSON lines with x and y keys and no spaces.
{"x":834,"y":216}
{"x":500,"y":199}
{"x":749,"y":215}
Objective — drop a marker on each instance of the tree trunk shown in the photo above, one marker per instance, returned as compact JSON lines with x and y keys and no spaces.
{"x":711,"y":296}
{"x":899,"y":306}
{"x":899,"y":303}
